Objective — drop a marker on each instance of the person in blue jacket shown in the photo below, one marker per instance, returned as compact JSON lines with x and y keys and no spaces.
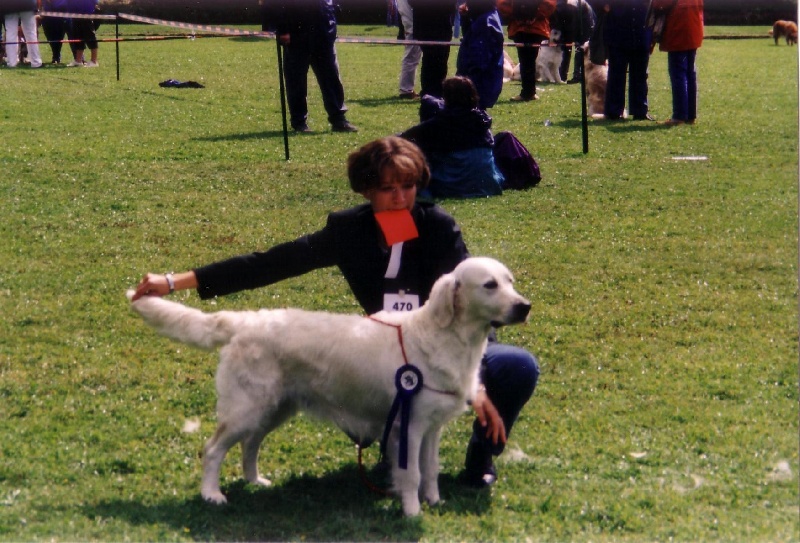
{"x":387,"y":172}
{"x":480,"y":56}
{"x":627,"y":39}
{"x":307,"y":31}
{"x":455,"y":135}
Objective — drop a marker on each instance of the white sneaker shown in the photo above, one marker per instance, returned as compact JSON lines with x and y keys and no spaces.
{"x":74,"y":64}
{"x":91,"y":64}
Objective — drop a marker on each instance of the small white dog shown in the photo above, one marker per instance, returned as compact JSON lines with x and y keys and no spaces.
{"x":548,"y":61}
{"x":344,"y":368}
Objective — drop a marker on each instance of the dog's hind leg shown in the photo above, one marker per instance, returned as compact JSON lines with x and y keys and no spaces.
{"x":429,"y":466}
{"x":214,"y":453}
{"x":251,"y":445}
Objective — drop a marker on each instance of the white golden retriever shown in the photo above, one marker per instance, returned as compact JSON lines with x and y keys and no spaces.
{"x":274,"y":363}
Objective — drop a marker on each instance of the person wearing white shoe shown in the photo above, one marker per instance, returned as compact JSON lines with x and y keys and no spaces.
{"x":83,"y":30}
{"x":27,"y":19}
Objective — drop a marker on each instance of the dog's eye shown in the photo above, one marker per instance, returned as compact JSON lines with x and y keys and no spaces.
{"x":490,"y":285}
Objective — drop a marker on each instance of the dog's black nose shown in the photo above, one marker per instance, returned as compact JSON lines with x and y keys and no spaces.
{"x":520,"y":312}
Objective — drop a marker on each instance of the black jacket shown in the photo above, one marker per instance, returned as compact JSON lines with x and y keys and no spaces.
{"x":300,"y":17}
{"x":350,"y":241}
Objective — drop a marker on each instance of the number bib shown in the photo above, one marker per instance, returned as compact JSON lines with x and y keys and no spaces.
{"x":400,"y":301}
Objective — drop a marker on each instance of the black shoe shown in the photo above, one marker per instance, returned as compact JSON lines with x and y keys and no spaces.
{"x":301,"y":128}
{"x":645,"y":117}
{"x":574,"y":80}
{"x":479,"y":470}
{"x":343,"y":126}
{"x":408,"y":95}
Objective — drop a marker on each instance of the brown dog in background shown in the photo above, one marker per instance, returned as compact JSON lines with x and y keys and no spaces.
{"x":788,"y":29}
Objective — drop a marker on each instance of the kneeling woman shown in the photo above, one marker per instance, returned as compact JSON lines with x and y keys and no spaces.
{"x":387,"y":172}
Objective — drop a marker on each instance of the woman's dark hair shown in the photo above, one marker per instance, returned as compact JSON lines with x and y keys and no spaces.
{"x":459,"y":91}
{"x":369,"y":165}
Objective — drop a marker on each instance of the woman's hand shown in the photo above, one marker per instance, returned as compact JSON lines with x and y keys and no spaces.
{"x":488,"y":417}
{"x":157,"y":284}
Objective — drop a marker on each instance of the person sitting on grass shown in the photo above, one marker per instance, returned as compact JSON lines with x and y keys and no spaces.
{"x":457,"y":141}
{"x":388,"y":173}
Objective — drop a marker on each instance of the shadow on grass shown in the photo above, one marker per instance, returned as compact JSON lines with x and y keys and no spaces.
{"x":253,"y":136}
{"x":628,"y":125}
{"x":335,"y":507}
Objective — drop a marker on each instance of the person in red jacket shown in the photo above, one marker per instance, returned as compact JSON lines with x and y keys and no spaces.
{"x":682,"y":37}
{"x":528,"y":26}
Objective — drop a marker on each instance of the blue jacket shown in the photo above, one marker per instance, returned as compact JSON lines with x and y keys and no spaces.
{"x":480,"y":56}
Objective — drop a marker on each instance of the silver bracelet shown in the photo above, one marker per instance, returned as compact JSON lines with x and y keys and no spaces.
{"x":170,"y":282}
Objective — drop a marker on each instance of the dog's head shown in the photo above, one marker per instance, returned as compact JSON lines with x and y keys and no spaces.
{"x":481,"y":291}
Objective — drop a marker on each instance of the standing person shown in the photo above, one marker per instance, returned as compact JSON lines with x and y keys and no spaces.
{"x":433,"y":21}
{"x":682,"y":37}
{"x":83,"y":30}
{"x":411,"y":53}
{"x":480,"y":56}
{"x":307,"y":31}
{"x":627,"y":39}
{"x":387,"y":173}
{"x":528,"y":26}
{"x":575,"y":20}
{"x":55,"y":28}
{"x":26,"y":19}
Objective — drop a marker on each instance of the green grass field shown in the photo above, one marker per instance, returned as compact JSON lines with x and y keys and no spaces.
{"x":664,"y":299}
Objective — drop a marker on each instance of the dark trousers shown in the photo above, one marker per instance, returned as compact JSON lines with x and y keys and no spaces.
{"x":55,"y":29}
{"x":318,"y":53}
{"x":625,"y":63}
{"x":527,"y":62}
{"x":510,"y":376}
{"x":683,"y":78}
{"x":433,"y":69}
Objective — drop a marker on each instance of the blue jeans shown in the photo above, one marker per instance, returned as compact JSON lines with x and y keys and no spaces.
{"x":622,"y":60}
{"x":510,"y":375}
{"x":683,"y":77}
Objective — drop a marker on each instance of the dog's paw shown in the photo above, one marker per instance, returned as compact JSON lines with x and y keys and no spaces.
{"x":411,"y":506}
{"x":262,"y":481}
{"x":215,"y":498}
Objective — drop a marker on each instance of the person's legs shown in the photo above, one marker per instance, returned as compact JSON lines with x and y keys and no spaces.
{"x":411,"y":53}
{"x":326,"y":69}
{"x":408,"y":69}
{"x":691,"y":85}
{"x":527,"y":53}
{"x":677,"y":64}
{"x":30,"y":31}
{"x":638,"y":90}
{"x":12,"y":39}
{"x":295,"y":72}
{"x":54,"y":29}
{"x":433,"y":69}
{"x":566,"y":58}
{"x":510,"y":376}
{"x":615,"y":87}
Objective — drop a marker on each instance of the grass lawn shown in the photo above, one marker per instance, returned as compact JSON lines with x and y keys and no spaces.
{"x":664,"y":296}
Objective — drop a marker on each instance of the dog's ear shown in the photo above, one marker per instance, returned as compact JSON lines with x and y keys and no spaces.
{"x":442,"y":300}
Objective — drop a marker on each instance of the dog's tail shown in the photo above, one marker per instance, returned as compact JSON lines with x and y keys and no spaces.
{"x":186,"y":324}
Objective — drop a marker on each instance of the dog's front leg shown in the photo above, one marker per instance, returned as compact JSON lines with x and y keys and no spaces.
{"x":405,"y":482}
{"x":429,"y":466}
